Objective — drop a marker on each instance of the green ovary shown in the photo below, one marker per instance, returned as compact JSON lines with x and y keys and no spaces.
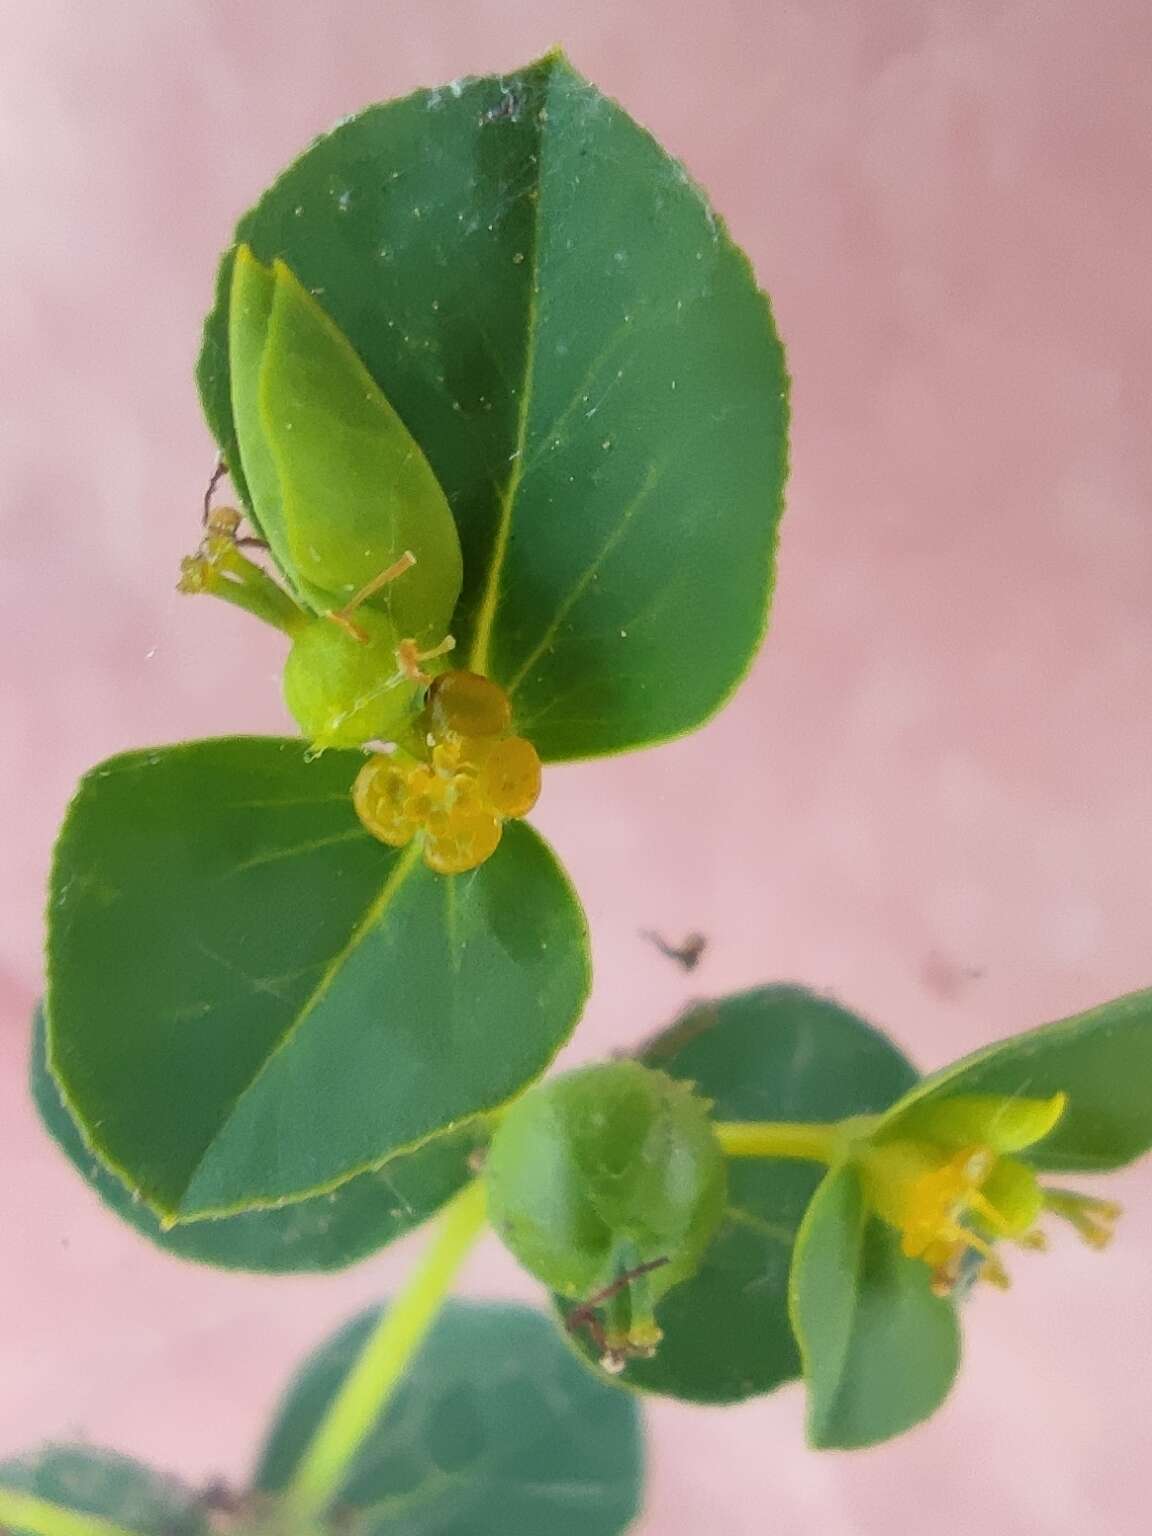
{"x":344,"y":690}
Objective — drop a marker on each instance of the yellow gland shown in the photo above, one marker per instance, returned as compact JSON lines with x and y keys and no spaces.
{"x":466,"y":704}
{"x":477,"y":777}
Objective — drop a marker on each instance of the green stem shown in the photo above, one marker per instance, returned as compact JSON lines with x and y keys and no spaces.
{"x":370,"y":1384}
{"x":221,"y":570}
{"x":25,"y":1512}
{"x":781,"y":1138}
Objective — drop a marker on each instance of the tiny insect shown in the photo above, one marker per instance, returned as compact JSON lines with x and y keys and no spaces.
{"x":689,"y":953}
{"x":508,"y":107}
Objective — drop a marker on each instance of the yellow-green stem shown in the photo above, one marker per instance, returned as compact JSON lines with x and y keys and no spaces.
{"x":370,"y":1384}
{"x":24,"y":1512}
{"x":781,"y":1138}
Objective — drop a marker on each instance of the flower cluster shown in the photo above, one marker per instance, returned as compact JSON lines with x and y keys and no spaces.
{"x":476,"y":775}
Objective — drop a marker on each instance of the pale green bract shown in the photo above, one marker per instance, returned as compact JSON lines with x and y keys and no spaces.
{"x":339,"y":487}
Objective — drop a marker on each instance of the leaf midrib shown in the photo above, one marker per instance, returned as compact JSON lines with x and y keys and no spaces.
{"x":372,"y":916}
{"x":479,"y":655}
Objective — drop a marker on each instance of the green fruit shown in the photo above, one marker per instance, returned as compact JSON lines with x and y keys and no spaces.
{"x":344,"y":691}
{"x":603,"y":1171}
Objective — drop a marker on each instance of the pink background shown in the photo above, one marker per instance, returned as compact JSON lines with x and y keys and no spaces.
{"x":937,"y":800}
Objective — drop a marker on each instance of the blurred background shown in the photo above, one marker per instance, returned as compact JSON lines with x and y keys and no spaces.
{"x":932,"y":799}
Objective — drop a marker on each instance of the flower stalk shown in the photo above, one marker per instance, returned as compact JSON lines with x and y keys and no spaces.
{"x":816,"y":1143}
{"x":371,"y":1383}
{"x":25,"y":1512}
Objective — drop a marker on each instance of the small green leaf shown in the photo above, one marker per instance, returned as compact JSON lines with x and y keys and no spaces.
{"x":325,"y":1233}
{"x":567,"y":330}
{"x":1102,"y":1059}
{"x":283,"y":1002}
{"x":822,"y":1289}
{"x":776,"y":1053}
{"x":111,"y":1487}
{"x":880,"y":1350}
{"x":340,"y":488}
{"x":496,"y":1431}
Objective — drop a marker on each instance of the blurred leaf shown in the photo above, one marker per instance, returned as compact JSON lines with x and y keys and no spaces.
{"x":566,"y":329}
{"x":880,"y":1350}
{"x":340,"y":488}
{"x":497,"y":1430}
{"x":327,"y":1232}
{"x":1102,"y":1059}
{"x":106,"y":1485}
{"x":777,"y":1053}
{"x":250,"y":999}
{"x":823,"y":1287}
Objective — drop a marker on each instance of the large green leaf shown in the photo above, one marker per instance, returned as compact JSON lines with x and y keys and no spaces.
{"x":880,"y":1350}
{"x":326,"y":1232}
{"x":339,"y":486}
{"x":496,"y":1431}
{"x":568,"y":332}
{"x":777,"y":1053}
{"x":1102,"y":1059}
{"x":92,"y":1482}
{"x":250,"y":999}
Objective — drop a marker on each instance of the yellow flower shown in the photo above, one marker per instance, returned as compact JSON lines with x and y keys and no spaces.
{"x":945,"y":1181}
{"x":476,"y":777}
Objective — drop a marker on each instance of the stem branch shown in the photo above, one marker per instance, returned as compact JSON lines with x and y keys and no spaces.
{"x":391,"y":1346}
{"x":780,"y":1138}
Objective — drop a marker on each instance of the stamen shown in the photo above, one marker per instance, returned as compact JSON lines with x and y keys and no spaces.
{"x":977,"y":1244}
{"x":225,"y":520}
{"x":1093,"y":1219}
{"x":944,"y":1279}
{"x":988,"y":1212}
{"x":995,"y":1274}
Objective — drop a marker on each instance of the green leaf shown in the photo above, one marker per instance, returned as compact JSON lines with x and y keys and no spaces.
{"x":496,"y":1431}
{"x":567,"y":330}
{"x":1102,"y":1059}
{"x":880,"y":1350}
{"x":776,"y":1053}
{"x":111,"y":1487}
{"x":250,"y":999}
{"x":823,"y":1287}
{"x":340,"y":489}
{"x":325,"y":1233}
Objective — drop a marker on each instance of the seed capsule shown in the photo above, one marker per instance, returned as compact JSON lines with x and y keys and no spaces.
{"x":604,"y":1172}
